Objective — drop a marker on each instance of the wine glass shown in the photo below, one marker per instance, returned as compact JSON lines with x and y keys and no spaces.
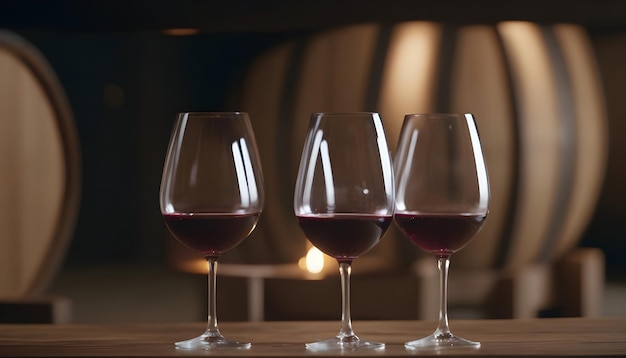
{"x":442,"y":197}
{"x":344,"y":199}
{"x":211,"y":196}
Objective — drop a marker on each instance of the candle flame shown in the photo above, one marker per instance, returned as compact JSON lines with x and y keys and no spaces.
{"x":313,"y":262}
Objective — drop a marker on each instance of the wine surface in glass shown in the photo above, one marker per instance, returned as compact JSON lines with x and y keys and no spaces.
{"x":440,"y":234}
{"x":344,"y":236}
{"x":212,"y":234}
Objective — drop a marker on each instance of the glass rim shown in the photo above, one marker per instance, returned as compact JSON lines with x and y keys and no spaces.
{"x":218,"y":113}
{"x":344,"y":113}
{"x":439,"y":114}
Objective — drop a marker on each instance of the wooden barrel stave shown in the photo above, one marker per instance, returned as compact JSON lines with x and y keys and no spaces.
{"x":480,"y":85}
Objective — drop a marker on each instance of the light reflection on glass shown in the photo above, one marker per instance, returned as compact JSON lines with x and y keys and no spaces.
{"x":384,"y":155}
{"x":241,"y":175}
{"x":404,"y":179}
{"x":252,"y":187}
{"x":483,"y":181}
{"x":328,"y":176}
{"x":311,"y":167}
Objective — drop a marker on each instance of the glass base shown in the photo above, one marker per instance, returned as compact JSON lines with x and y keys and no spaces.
{"x":209,"y":342}
{"x":350,"y":343}
{"x":439,"y":341}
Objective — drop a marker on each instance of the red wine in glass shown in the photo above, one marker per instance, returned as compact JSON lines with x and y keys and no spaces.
{"x":344,"y":236}
{"x":439,"y":234}
{"x":211,"y":197}
{"x":442,"y":198}
{"x":344,"y":200}
{"x":209,"y":233}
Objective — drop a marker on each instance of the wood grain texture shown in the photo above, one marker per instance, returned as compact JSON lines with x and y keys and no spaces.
{"x":580,"y":337}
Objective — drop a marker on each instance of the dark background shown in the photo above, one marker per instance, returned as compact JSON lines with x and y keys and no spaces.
{"x":126,"y":80}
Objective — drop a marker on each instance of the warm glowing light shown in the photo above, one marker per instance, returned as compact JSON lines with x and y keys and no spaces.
{"x":313,"y":262}
{"x":181,"y":31}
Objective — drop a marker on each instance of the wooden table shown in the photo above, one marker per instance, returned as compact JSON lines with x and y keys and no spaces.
{"x":520,"y":338}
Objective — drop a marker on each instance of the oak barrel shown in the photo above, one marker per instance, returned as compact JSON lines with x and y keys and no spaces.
{"x":39,"y":170}
{"x":535,"y":92}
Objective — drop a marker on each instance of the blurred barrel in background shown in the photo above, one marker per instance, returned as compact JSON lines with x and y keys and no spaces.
{"x":534,"y":89}
{"x":535,"y":92}
{"x":537,"y":97}
{"x":39,"y":170}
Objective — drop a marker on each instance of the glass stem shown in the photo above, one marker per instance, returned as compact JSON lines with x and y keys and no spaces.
{"x":443,"y":328}
{"x":345,"y":270}
{"x":212,"y":329}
